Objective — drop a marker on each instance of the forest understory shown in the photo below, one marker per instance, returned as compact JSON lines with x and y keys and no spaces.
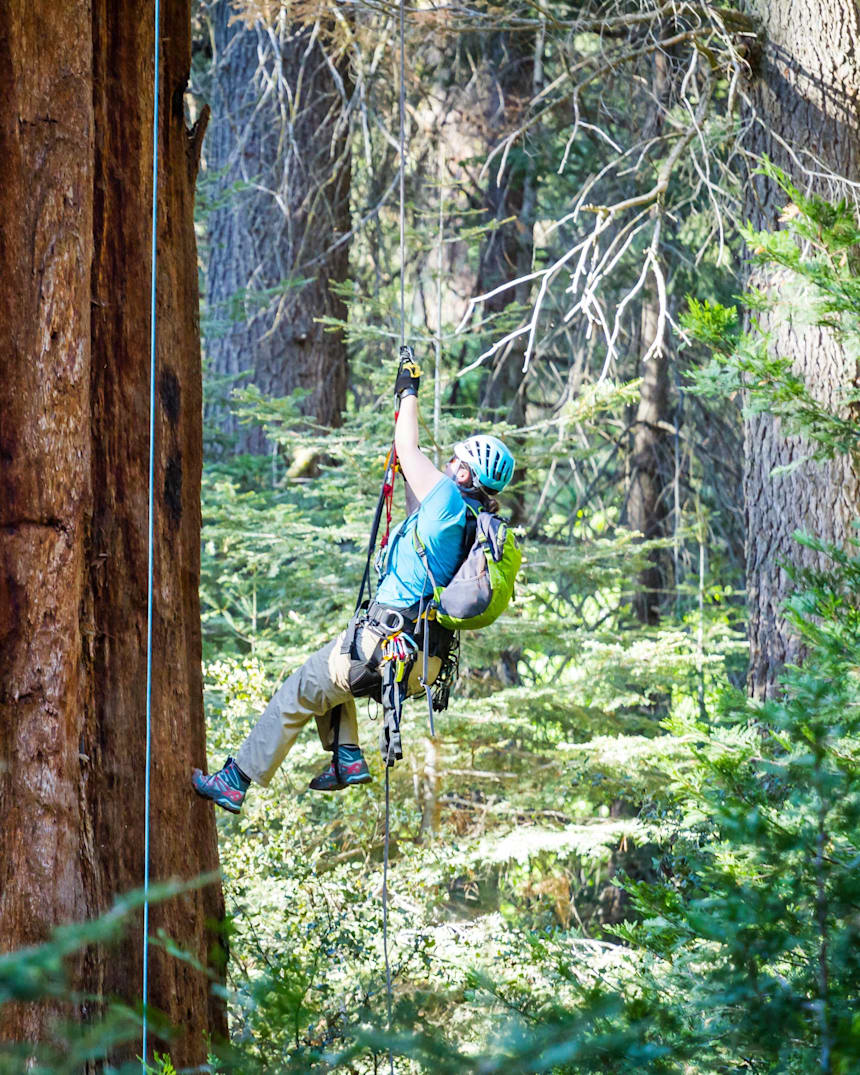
{"x":628,"y":244}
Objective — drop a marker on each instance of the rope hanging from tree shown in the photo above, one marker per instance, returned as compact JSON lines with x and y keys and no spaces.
{"x":402,"y":163}
{"x":388,"y":485}
{"x":387,"y":840}
{"x":150,"y":531}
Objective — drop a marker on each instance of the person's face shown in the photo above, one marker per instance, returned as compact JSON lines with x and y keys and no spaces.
{"x":458,"y":471}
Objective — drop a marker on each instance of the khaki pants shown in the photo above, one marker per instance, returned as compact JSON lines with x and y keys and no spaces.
{"x":317,"y":689}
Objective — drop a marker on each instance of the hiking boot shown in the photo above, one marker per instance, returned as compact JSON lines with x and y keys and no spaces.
{"x":226,"y":788}
{"x":351,"y":769}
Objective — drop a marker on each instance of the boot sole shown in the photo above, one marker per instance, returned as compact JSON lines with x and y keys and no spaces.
{"x":228,"y":806}
{"x":366,"y":778}
{"x":225,"y":804}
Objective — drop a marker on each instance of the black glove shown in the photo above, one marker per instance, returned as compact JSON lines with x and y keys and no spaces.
{"x":408,"y":375}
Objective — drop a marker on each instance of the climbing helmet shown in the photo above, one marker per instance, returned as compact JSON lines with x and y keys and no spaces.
{"x":491,"y":463}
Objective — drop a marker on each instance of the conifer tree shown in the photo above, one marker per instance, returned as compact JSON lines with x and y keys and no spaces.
{"x":802,"y":114}
{"x":278,"y":161}
{"x":75,"y":233}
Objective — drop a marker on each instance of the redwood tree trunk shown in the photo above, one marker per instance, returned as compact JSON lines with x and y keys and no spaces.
{"x":806,"y":95}
{"x":280,"y":160}
{"x":75,"y":203}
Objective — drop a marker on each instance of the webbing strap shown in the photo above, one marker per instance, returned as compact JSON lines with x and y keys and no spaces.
{"x":393,"y":690}
{"x":388,"y":497}
{"x":424,"y":611}
{"x":150,"y":533}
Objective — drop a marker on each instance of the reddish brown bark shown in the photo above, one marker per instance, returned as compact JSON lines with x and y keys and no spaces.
{"x":45,"y":244}
{"x":75,"y":203}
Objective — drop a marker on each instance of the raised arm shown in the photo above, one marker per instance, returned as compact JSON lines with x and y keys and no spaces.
{"x":418,"y":470}
{"x":421,"y":474}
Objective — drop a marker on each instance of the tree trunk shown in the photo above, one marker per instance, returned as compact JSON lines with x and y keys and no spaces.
{"x":516,"y":70}
{"x":807,"y":96}
{"x":279,"y":155}
{"x":511,"y":74}
{"x":75,"y":205}
{"x":646,"y":506}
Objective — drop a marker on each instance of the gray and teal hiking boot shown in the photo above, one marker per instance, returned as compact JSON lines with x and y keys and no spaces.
{"x":351,"y":769}
{"x":226,"y":788}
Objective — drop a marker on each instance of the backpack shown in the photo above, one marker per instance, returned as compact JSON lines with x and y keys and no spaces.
{"x":483,"y":585}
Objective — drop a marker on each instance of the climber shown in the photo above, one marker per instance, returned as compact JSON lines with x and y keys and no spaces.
{"x":327,"y":684}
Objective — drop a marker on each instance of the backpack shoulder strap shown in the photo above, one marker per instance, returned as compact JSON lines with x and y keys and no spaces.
{"x":422,"y":553}
{"x":470,"y":532}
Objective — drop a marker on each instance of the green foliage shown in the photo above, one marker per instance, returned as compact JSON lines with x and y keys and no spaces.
{"x":520,"y":874}
{"x":817,"y":249}
{"x":634,"y":869}
{"x":540,"y":780}
{"x":624,"y":873}
{"x":759,"y":920}
{"x":39,"y":975}
{"x":626,"y":866}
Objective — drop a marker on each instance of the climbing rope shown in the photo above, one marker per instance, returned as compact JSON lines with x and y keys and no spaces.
{"x":387,"y":492}
{"x":402,"y":162}
{"x":385,"y":501}
{"x":387,"y":841}
{"x":150,"y":541}
{"x":388,"y":987}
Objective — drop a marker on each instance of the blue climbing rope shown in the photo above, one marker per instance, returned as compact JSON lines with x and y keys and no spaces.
{"x":150,"y":541}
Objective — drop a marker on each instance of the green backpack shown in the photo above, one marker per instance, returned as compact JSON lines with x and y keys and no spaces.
{"x":483,"y":585}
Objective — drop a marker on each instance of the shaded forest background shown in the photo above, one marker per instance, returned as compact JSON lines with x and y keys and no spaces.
{"x":631,"y":251}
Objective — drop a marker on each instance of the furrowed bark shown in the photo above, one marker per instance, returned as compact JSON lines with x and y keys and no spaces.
{"x":284,"y":157}
{"x":75,"y":205}
{"x":646,"y":504}
{"x":807,"y":96}
{"x":515,"y":72}
{"x":46,"y":152}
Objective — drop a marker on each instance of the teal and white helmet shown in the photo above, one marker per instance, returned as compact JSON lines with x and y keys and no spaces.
{"x":491,"y":463}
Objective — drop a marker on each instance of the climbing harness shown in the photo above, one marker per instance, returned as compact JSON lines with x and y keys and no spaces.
{"x":150,"y":533}
{"x":398,"y":651}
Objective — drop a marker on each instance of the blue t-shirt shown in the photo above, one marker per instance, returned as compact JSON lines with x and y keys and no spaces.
{"x":441,"y":521}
